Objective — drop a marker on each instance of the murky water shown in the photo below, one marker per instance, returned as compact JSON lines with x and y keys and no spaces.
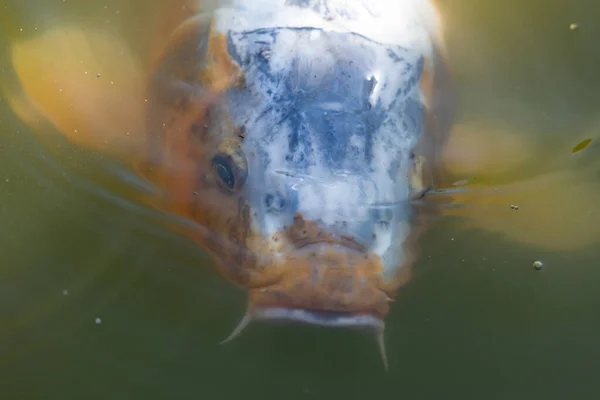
{"x":98,"y":301}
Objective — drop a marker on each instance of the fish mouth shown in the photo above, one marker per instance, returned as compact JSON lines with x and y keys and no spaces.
{"x":364,"y":323}
{"x":343,"y":242}
{"x":331,"y":283}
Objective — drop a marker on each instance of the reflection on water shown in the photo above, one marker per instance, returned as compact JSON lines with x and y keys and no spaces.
{"x":476,"y":321}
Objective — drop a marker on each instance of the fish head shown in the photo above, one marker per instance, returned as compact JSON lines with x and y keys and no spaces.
{"x":298,"y":143}
{"x":331,"y":120}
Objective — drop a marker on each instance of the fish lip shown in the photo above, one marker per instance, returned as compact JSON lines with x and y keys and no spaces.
{"x":343,"y":242}
{"x":331,"y":319}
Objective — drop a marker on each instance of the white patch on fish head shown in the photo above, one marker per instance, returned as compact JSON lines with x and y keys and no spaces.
{"x":332,"y":109}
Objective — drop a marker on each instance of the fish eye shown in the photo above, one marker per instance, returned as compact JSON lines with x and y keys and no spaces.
{"x":229,"y":166}
{"x":224,"y":171}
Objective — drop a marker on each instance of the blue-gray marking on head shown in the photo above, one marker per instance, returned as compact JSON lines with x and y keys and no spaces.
{"x":323,"y":100}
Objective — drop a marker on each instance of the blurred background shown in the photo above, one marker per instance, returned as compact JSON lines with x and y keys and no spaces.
{"x":99,"y":301}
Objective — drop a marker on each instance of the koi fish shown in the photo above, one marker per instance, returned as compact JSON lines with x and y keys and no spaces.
{"x":302,"y":138}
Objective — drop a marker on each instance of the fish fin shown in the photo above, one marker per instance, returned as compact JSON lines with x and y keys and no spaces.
{"x":507,"y":191}
{"x":86,"y":83}
{"x":475,"y":151}
{"x":23,"y":109}
{"x":555,"y":211}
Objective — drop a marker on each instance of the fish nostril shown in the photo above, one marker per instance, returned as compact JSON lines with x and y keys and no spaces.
{"x":275,"y":202}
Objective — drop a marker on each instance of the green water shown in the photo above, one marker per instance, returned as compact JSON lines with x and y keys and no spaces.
{"x":476,"y":321}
